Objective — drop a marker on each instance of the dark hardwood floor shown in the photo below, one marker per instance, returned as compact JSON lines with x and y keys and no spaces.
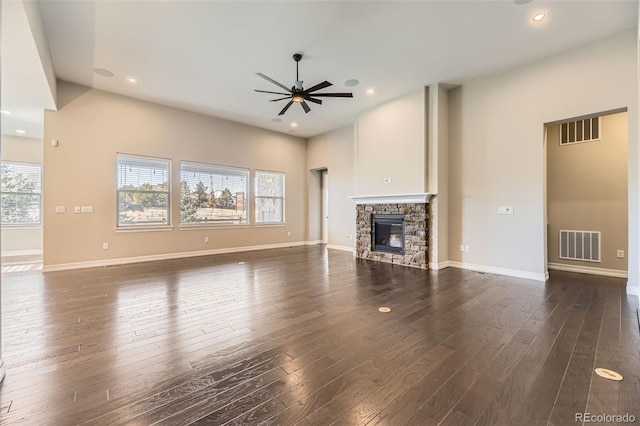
{"x":294,"y":336}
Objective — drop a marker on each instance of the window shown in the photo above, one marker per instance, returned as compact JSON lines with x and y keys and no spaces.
{"x":211,"y":194}
{"x":21,"y":194}
{"x":143,"y":191}
{"x":269,"y":197}
{"x":580,"y":131}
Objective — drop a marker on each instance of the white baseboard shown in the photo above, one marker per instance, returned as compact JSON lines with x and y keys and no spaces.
{"x":437,"y":266}
{"x":500,"y":271}
{"x":337,"y":247}
{"x":588,"y":270}
{"x":21,"y":253}
{"x":314,"y":242}
{"x":167,"y":256}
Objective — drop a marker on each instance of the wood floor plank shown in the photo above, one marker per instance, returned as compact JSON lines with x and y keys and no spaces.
{"x":573,"y":394}
{"x":512,"y":392}
{"x":541,"y":397}
{"x":294,"y":336}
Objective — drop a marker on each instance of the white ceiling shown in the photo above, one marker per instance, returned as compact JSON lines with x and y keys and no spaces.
{"x":203,"y":55}
{"x":25,"y":91}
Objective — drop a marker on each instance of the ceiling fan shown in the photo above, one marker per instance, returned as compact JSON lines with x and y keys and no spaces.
{"x":298,"y":94}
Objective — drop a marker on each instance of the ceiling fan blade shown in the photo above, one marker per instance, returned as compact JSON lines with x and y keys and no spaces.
{"x":280,"y":99}
{"x":334,"y":95}
{"x":314,"y":100}
{"x":318,"y":87}
{"x":286,"y":107}
{"x":273,"y":81}
{"x":273,"y":93}
{"x":305,"y":106}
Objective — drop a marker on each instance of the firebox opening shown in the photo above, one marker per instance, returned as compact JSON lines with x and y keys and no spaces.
{"x":388,"y":233}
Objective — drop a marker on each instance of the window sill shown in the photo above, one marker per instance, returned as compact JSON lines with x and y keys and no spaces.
{"x":144,"y":229}
{"x":212,"y":226}
{"x":22,"y":227}
{"x":270,"y":225}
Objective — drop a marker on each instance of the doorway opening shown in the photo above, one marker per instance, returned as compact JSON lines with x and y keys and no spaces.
{"x":324,"y":187}
{"x":586,"y":194}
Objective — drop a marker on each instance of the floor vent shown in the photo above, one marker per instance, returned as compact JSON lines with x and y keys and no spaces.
{"x":580,"y":245}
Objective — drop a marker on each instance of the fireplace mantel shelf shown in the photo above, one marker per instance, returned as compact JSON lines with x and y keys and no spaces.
{"x":393,"y":198}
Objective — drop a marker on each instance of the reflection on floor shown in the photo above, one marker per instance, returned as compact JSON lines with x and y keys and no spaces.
{"x":20,"y":264}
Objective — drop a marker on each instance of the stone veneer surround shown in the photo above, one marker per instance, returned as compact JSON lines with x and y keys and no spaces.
{"x":416,"y":235}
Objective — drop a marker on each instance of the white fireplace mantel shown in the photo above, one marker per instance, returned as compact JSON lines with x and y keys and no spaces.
{"x":394,"y":198}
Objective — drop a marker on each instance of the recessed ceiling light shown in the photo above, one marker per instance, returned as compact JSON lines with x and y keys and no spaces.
{"x":276,"y":120}
{"x":5,"y":112}
{"x":539,"y":17}
{"x":131,"y":80}
{"x":103,"y":72}
{"x":294,"y":124}
{"x":21,"y":132}
{"x":371,"y":91}
{"x":351,"y":82}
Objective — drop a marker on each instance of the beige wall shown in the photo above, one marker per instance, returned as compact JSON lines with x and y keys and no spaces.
{"x":587,"y":190}
{"x":391,"y":142}
{"x":17,"y":240}
{"x":92,"y":126}
{"x":438,"y":175}
{"x":22,"y":150}
{"x":333,"y":151}
{"x":496,"y":150}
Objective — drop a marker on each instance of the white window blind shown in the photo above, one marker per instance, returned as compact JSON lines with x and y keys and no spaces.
{"x":269,"y":197}
{"x":213,"y":195}
{"x":143,"y":191}
{"x":21,"y":194}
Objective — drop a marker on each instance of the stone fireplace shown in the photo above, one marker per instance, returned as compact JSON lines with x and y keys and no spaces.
{"x":393,"y":229}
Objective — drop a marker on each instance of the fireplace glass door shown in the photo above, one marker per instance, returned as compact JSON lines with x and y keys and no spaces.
{"x":388,"y":233}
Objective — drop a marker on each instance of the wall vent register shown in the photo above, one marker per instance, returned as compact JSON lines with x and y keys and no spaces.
{"x":580,"y":131}
{"x":580,"y":245}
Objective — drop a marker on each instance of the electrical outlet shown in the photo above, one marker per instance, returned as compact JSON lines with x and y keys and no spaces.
{"x":461,"y":247}
{"x":620,"y":254}
{"x":86,"y":209}
{"x":288,"y":233}
{"x":61,"y":209}
{"x":206,"y":239}
{"x":105,"y":246}
{"x":466,"y":249}
{"x":348,"y":236}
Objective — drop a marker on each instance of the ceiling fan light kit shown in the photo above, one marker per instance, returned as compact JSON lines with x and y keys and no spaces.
{"x":297,"y":93}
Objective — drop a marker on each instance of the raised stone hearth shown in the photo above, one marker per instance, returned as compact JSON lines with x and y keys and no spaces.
{"x":416,"y":231}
